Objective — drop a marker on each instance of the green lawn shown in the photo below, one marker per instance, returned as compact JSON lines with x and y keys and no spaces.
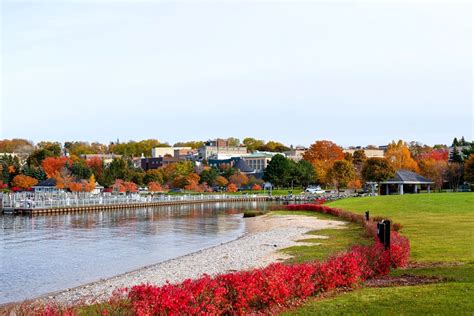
{"x":441,"y":229}
{"x":320,"y":248}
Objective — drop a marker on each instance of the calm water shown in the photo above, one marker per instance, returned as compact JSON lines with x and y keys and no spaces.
{"x":42,"y":254}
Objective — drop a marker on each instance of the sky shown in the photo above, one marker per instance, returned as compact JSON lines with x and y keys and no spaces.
{"x":354,"y":72}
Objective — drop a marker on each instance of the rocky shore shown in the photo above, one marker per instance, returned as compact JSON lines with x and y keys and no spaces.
{"x":258,"y":247}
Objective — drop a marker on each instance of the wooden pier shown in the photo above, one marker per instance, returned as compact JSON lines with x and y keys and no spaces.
{"x":110,"y":207}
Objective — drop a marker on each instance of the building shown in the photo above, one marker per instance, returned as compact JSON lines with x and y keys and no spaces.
{"x":258,"y":160}
{"x":296,"y":153}
{"x":369,"y":153}
{"x":47,"y":186}
{"x":106,"y":158}
{"x":151,"y":163}
{"x":169,"y":151}
{"x":219,"y":146}
{"x":406,"y":181}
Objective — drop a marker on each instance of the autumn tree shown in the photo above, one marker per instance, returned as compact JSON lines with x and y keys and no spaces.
{"x":341,"y":173}
{"x":232,"y":188}
{"x":469,"y":169}
{"x":155,"y":187}
{"x":400,"y":156}
{"x":130,"y":186}
{"x":221,"y":181}
{"x":153,"y":175}
{"x":454,"y":173}
{"x":377,"y":170}
{"x":434,"y":170}
{"x":239,"y":179}
{"x":96,"y":165}
{"x":53,"y":165}
{"x":256,"y":187}
{"x":24,"y":182}
{"x":322,"y":155}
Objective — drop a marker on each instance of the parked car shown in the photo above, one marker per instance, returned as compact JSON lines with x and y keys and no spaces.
{"x":314,"y":190}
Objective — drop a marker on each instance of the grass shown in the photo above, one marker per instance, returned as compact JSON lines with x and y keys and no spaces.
{"x":441,"y":229}
{"x":320,"y":248}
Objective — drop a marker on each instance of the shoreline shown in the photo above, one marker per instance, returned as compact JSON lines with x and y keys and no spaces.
{"x":257,"y":247}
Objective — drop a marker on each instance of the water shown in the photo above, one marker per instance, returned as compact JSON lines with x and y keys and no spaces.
{"x":42,"y":254}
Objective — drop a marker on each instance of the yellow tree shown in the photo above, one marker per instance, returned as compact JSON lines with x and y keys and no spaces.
{"x":399,"y":155}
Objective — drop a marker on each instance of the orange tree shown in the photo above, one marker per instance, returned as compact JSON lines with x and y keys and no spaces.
{"x":24,"y":182}
{"x":322,"y":155}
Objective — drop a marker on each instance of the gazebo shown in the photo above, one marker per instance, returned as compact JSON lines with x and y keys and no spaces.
{"x":407,"y":178}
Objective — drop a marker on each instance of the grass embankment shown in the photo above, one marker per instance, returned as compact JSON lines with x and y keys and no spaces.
{"x":441,"y":230}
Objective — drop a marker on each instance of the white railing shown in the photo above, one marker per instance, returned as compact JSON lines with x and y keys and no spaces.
{"x":28,"y":200}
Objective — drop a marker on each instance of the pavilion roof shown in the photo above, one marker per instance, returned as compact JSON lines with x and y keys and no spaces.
{"x":407,"y":177}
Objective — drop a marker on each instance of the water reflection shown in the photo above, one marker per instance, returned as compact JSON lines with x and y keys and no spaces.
{"x":48,"y":253}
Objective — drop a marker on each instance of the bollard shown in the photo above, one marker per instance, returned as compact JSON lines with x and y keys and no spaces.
{"x":387,"y":234}
{"x":367,"y":215}
{"x":383,"y":233}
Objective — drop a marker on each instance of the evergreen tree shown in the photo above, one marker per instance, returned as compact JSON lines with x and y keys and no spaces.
{"x":455,"y":156}
{"x":278,"y":171}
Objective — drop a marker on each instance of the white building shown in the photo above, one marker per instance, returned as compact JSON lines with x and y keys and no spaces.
{"x":369,"y":153}
{"x":167,"y":151}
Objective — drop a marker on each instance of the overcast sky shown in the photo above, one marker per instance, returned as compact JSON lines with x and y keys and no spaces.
{"x":353,"y":72}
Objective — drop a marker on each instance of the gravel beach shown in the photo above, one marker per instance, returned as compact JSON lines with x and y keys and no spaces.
{"x":256,"y":248}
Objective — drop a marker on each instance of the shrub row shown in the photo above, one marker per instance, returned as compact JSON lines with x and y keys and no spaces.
{"x":261,"y":291}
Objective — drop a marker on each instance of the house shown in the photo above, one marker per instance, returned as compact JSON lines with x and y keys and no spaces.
{"x":47,"y":186}
{"x":406,"y":181}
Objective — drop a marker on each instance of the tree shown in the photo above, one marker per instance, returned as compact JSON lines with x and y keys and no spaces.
{"x":24,"y":182}
{"x":9,"y":168}
{"x":155,"y":187}
{"x":253,"y":144}
{"x":130,"y":186}
{"x":16,"y":145}
{"x":53,"y":165}
{"x":80,"y":169}
{"x":454,"y":174}
{"x":434,"y":170}
{"x":341,"y":173}
{"x":273,"y":147}
{"x":455,"y":155}
{"x":377,"y":170}
{"x":256,"y":187}
{"x":232,"y":188}
{"x":277,"y":171}
{"x":400,"y":156}
{"x":221,"y":181}
{"x":209,"y":176}
{"x":239,"y":179}
{"x":97,"y":167}
{"x":153,"y":175}
{"x":233,"y":142}
{"x":192,"y":182}
{"x":469,"y":169}
{"x":322,"y":155}
{"x":192,"y":144}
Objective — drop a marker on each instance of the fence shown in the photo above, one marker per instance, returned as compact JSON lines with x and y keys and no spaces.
{"x":28,"y":200}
